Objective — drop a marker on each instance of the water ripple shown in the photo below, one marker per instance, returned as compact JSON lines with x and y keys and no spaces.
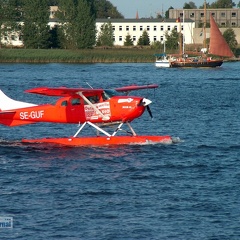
{"x":186,"y":190}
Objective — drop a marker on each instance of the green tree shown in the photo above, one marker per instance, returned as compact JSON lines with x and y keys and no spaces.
{"x":207,"y":6}
{"x":105,"y":37}
{"x":201,"y":24}
{"x":230,"y":38}
{"x":172,"y":40}
{"x":167,"y":12}
{"x":78,"y":23}
{"x":66,"y":14}
{"x":128,"y":40}
{"x":158,"y":46}
{"x":35,"y":28}
{"x":190,"y":5}
{"x":9,"y":17}
{"x":3,"y":19}
{"x":223,"y":4}
{"x":52,"y":2}
{"x":159,"y":16}
{"x":144,"y":39}
{"x":105,"y":9}
{"x":55,"y":37}
{"x":86,"y":27}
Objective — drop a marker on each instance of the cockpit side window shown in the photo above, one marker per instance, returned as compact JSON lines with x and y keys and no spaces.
{"x":105,"y":96}
{"x":108,"y":93}
{"x":64,"y":103}
{"x":75,"y":101}
{"x":93,"y":99}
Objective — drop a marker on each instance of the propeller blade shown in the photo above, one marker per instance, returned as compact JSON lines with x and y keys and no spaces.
{"x":149,"y":111}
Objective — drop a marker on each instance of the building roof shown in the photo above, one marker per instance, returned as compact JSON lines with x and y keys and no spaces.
{"x":202,"y":9}
{"x":140,"y":20}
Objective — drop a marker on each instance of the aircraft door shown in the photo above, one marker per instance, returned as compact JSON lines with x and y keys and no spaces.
{"x":71,"y":110}
{"x":76,"y":110}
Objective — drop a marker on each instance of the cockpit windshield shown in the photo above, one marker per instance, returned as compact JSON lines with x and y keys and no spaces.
{"x":108,"y":93}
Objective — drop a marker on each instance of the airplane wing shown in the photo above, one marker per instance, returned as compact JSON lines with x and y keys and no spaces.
{"x":135,"y":87}
{"x":63,"y":91}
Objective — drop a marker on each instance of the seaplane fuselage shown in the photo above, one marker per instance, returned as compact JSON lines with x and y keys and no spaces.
{"x":85,"y":107}
{"x":77,"y":110}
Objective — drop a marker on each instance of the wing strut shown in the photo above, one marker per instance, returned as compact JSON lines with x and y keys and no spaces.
{"x":93,"y":125}
{"x":99,"y":129}
{"x":133,"y":132}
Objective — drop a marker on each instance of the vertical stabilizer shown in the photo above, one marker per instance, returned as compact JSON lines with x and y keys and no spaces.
{"x":7,"y":103}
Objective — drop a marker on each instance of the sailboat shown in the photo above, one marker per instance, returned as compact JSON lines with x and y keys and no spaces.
{"x":218,"y":47}
{"x":162,"y":59}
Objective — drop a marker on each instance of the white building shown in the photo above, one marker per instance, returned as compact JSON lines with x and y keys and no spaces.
{"x":156,"y":29}
{"x":12,"y":38}
{"x":15,"y":39}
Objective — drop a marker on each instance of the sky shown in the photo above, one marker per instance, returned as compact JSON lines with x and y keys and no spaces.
{"x":148,"y":8}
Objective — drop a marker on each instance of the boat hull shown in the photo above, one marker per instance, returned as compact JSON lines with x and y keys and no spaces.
{"x":162,"y":64}
{"x":198,"y":64}
{"x":103,"y":140}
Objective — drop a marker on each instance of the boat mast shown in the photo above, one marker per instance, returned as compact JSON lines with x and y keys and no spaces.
{"x":204,"y":25}
{"x":183,"y":34}
{"x":180,"y":37}
{"x":164,"y":45}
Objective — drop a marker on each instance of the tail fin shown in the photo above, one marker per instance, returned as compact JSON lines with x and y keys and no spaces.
{"x":7,"y":103}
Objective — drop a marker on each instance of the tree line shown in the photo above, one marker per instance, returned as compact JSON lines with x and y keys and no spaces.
{"x":77,"y":24}
{"x":216,"y":4}
{"x":76,"y":28}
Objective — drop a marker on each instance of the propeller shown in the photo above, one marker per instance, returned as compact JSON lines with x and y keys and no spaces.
{"x":145,"y":102}
{"x":149,"y":111}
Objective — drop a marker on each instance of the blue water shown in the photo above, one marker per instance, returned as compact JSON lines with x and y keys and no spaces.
{"x":187,"y":190}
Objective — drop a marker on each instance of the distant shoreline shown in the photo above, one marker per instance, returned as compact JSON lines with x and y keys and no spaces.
{"x":97,"y":55}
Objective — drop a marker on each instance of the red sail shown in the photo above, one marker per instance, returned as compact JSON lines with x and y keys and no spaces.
{"x":218,"y":45}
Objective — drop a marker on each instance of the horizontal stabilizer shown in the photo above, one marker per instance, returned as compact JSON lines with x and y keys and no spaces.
{"x":14,"y":123}
{"x":6,"y":118}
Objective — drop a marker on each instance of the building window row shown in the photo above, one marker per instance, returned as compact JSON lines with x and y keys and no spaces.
{"x":223,"y":14}
{"x":120,"y":28}
{"x":134,"y":38}
{"x":141,"y":28}
{"x":223,"y":24}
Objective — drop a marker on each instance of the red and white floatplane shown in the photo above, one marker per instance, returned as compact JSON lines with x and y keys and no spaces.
{"x":98,"y":108}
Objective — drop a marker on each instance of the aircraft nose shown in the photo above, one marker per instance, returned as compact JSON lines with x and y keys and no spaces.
{"x":145,"y":102}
